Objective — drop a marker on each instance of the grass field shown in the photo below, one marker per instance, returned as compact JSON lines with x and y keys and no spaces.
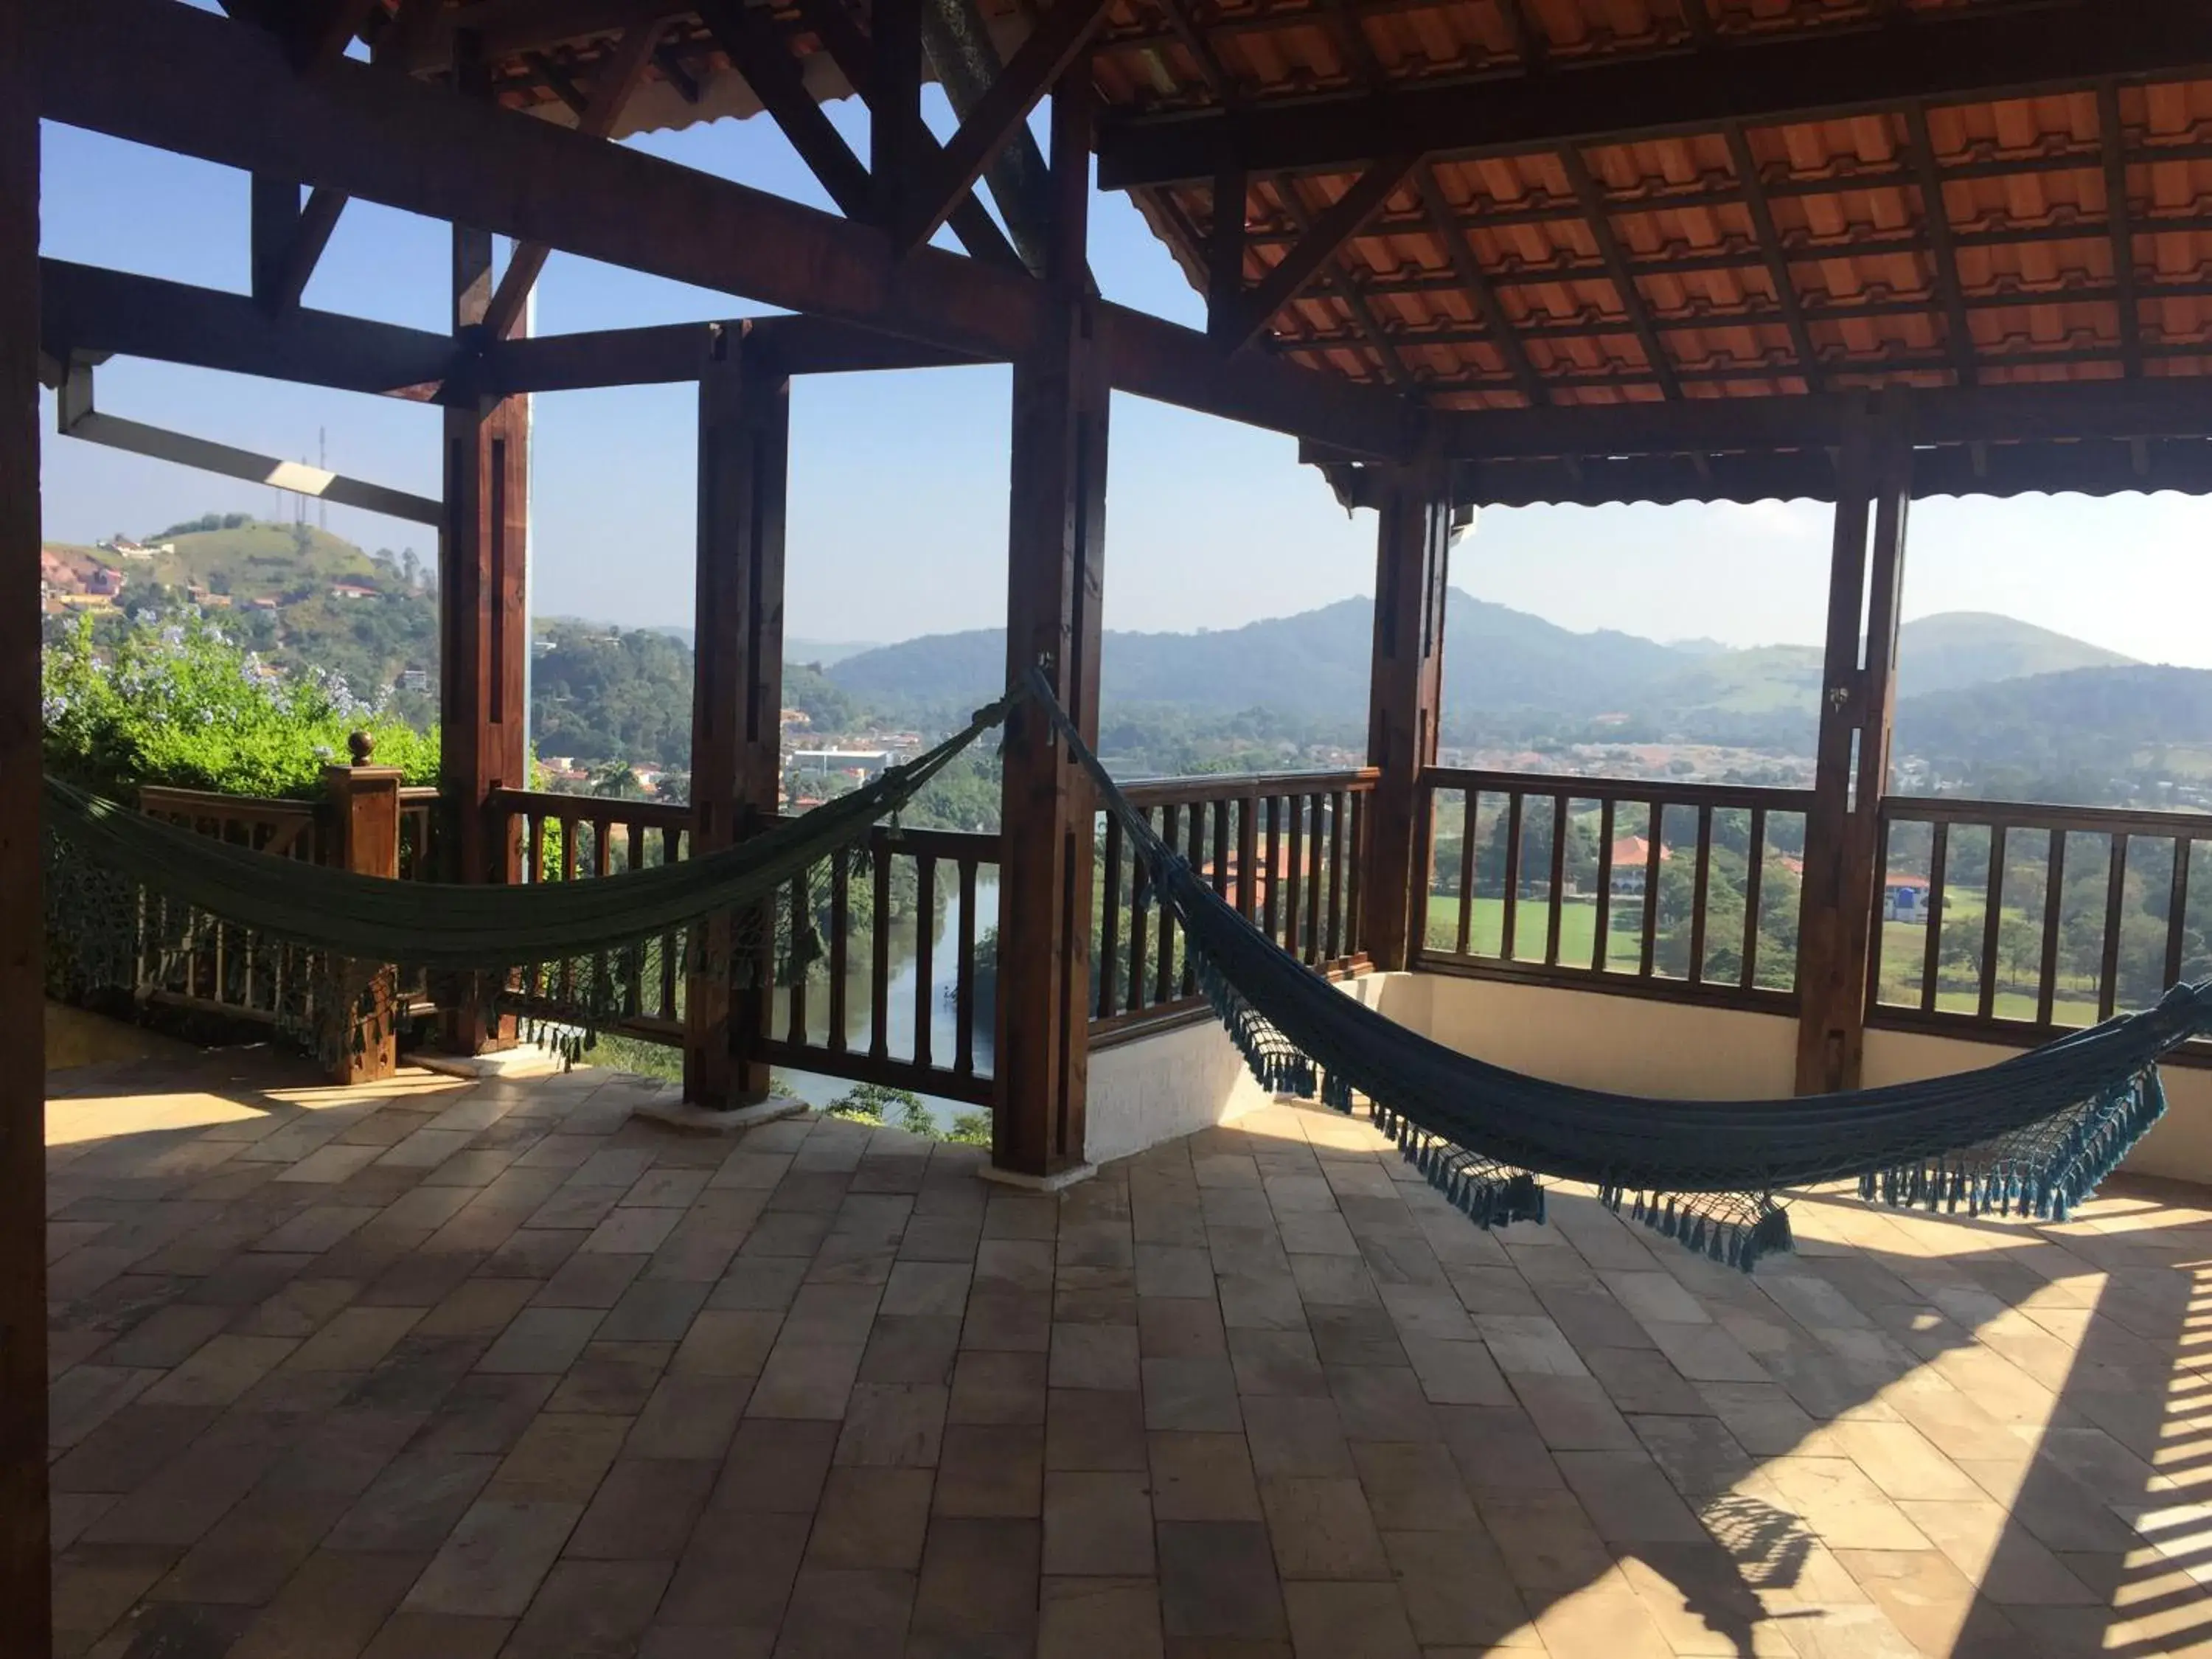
{"x":1531,"y":928}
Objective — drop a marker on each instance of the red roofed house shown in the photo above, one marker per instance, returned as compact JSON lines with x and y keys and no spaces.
{"x":1631,"y":858}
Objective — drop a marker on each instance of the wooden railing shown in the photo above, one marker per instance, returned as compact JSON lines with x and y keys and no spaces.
{"x":575,"y":837}
{"x":2021,"y":920}
{"x":1286,"y":849}
{"x":1674,"y":889}
{"x":845,"y":1012}
{"x":226,"y":971}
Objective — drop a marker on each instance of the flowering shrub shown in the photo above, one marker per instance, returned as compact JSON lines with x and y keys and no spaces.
{"x":172,"y":701}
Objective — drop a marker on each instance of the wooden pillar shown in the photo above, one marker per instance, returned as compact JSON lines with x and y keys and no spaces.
{"x":1843,"y":827}
{"x":274,"y":225}
{"x":737,"y":704}
{"x":485,"y":624}
{"x":1056,"y":535}
{"x":1405,"y":705}
{"x":26,"y":1609}
{"x":365,"y":805}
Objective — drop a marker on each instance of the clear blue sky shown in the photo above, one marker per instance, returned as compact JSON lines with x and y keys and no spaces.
{"x":899,"y":482}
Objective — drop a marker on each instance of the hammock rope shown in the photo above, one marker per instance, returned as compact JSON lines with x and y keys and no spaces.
{"x":2033,"y":1134}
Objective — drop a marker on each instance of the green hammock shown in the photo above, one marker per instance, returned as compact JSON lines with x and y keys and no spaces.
{"x":115,"y":873}
{"x":2035,"y":1133}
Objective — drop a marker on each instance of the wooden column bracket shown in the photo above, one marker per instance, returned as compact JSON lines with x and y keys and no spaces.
{"x":289,"y":239}
{"x":737,"y":704}
{"x":757,"y":52}
{"x":1234,"y":321}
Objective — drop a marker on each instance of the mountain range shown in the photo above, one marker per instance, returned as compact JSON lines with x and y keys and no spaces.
{"x":1499,"y":664}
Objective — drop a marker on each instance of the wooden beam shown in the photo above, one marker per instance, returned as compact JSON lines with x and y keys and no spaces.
{"x":1054,"y":595}
{"x":1497,"y":322}
{"x":618,"y":76}
{"x":1338,"y":224}
{"x":91,"y":312}
{"x":673,"y":352}
{"x":1215,"y":73}
{"x":1971,"y":54}
{"x":1225,"y":242}
{"x":759,"y":53}
{"x":289,"y":239}
{"x":1598,"y":214}
{"x":320,"y":31}
{"x":2119,"y":223}
{"x":849,"y":48}
{"x":1338,"y":280}
{"x":1859,"y":705}
{"x":1936,"y":217}
{"x":745,"y":440}
{"x":1412,"y":553}
{"x":1054,"y":42}
{"x":137,"y":68}
{"x":26,"y":1566}
{"x":1771,"y":255}
{"x":425,"y":44}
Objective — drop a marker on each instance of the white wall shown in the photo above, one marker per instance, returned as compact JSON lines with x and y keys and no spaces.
{"x":1152,"y":1088}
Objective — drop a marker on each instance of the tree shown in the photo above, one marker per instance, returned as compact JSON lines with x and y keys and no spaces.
{"x":1535,"y":869}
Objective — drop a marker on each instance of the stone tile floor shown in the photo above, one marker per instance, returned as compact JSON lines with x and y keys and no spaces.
{"x":437,"y":1371}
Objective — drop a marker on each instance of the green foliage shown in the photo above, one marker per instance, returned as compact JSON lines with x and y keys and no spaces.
{"x":602,"y":694}
{"x":181,"y":704}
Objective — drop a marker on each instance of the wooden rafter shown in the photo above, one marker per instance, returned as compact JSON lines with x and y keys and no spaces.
{"x":1936,"y":217}
{"x":1498,"y":324}
{"x":1225,"y":242}
{"x":1054,"y":42}
{"x":1218,"y":79}
{"x":320,"y":31}
{"x":282,"y":266}
{"x":137,"y":69}
{"x":1530,"y":44}
{"x":1699,"y":22}
{"x":1339,"y":282}
{"x":849,"y":48}
{"x":557,"y":81}
{"x":678,"y":73}
{"x":2119,"y":224}
{"x":619,"y":74}
{"x":1976,"y":53}
{"x":1598,"y":212}
{"x":1770,"y":253}
{"x":759,"y":52}
{"x":1338,"y":224}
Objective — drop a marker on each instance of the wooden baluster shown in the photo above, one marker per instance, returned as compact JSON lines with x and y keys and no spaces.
{"x":1138,"y":925}
{"x":2176,"y":908}
{"x":568,"y":836}
{"x":1335,"y":946}
{"x":840,"y":904}
{"x":634,"y":858}
{"x":1987,"y":998}
{"x":1701,"y":889}
{"x":1272,"y":924}
{"x":1355,"y":922}
{"x":1509,"y":907}
{"x":1219,"y":813}
{"x":1293,"y":938}
{"x":1317,"y":859}
{"x":1558,"y":907}
{"x":879,"y":955}
{"x":2054,"y":895}
{"x":1753,"y":870}
{"x":1248,"y":857}
{"x":1194,"y":854}
{"x":1931,"y":949}
{"x":963,"y":975}
{"x":794,"y":1010}
{"x":925,"y":944}
{"x":672,"y":946}
{"x":2116,"y":893}
{"x":1655,"y":849}
{"x":1109,"y":923}
{"x":1601,"y":942}
{"x":1164,"y":980}
{"x":601,"y":864}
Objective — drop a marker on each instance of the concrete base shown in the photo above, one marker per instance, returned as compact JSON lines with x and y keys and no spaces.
{"x":525,"y":1061}
{"x":680,"y":1113}
{"x":1029,"y":1184}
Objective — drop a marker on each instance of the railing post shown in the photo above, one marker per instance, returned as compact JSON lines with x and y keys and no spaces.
{"x":737,"y":704}
{"x":26,"y":1604}
{"x":1843,"y":826}
{"x":483,"y":619}
{"x":365,"y":808}
{"x":1056,"y":534}
{"x":1412,"y":558}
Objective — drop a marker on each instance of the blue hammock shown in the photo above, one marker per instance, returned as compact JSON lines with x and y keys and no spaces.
{"x":2034,"y":1133}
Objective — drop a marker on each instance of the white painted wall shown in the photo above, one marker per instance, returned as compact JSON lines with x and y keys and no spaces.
{"x":1155,"y":1088}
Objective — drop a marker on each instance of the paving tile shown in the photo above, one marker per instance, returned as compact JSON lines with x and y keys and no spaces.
{"x":1218,"y":1579}
{"x":893,"y":1425}
{"x":330,"y":1608}
{"x":1457,"y":1373}
{"x":1414,"y":1487}
{"x":643,"y":1510}
{"x":494,"y":1560}
{"x":1291,"y":1435}
{"x":1196,"y":1395}
{"x":1202,"y":1477}
{"x":1321,"y":1529}
{"x":806,"y":1380}
{"x":727,"y":1344}
{"x":991,"y":1387}
{"x":979,"y":1580}
{"x":1094,"y":1429}
{"x":1455,"y":1590}
{"x":1093,"y":1356}
{"x":562,"y":1457}
{"x":775,"y":1468}
{"x":736,"y":1577}
{"x":542,"y":1341}
{"x":1627,"y":1498}
{"x":1098,"y":1523}
{"x":988,"y":1471}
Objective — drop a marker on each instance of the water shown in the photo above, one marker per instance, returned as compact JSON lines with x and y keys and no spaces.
{"x":943,"y":1027}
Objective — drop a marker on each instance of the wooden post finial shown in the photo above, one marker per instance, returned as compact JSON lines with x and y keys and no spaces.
{"x":361,"y":746}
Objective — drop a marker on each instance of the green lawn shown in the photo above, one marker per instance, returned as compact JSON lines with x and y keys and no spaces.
{"x":1531,"y":928}
{"x":1904,"y":961}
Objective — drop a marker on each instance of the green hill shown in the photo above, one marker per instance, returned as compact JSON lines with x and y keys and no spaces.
{"x":1958,"y":648}
{"x":258,"y":560}
{"x":2079,"y":735}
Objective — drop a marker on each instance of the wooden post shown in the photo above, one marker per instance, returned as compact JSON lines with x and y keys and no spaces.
{"x":1843,"y":828}
{"x":737,"y":705}
{"x":1056,"y":533}
{"x":1405,"y":701}
{"x":364,"y":804}
{"x":483,"y":659}
{"x":25,"y":1606}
